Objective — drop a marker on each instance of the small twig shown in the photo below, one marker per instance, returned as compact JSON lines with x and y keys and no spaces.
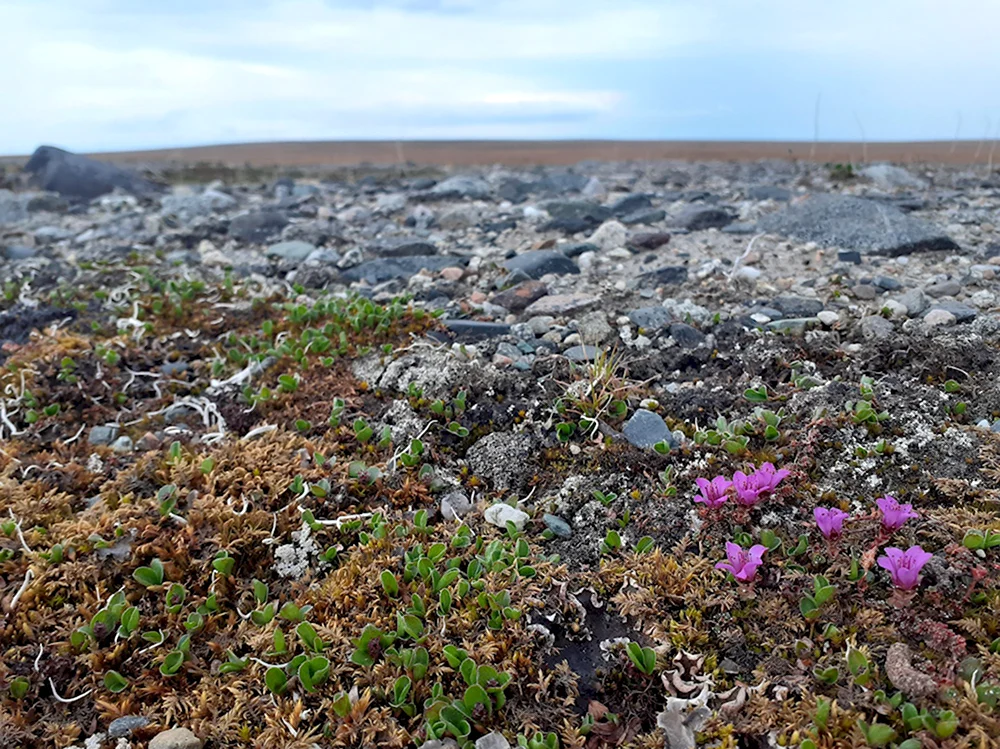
{"x":260,"y":430}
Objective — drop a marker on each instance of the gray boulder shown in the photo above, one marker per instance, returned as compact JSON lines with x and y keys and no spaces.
{"x":856,"y":224}
{"x":79,"y":177}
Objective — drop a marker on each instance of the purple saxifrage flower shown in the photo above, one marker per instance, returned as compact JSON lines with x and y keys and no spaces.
{"x":742,"y":563}
{"x":830,"y":521}
{"x":904,"y":566}
{"x":750,"y":489}
{"x":713,"y":493}
{"x":894,"y":515}
{"x":768,"y":479}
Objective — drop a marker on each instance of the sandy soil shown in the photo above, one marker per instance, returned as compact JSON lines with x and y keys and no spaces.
{"x":523,"y":153}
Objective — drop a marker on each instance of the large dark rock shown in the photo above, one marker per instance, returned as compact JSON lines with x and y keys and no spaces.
{"x":853,"y":223}
{"x":81,"y":178}
{"x":574,"y":216}
{"x":406,"y":247}
{"x":257,"y":226}
{"x":631,"y":204}
{"x":700,"y":217}
{"x":379,"y":271}
{"x":537,"y":263}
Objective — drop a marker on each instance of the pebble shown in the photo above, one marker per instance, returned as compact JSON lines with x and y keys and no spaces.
{"x":560,"y":304}
{"x":594,"y":328}
{"x":500,"y":513}
{"x":103,"y":435}
{"x":520,"y":296}
{"x":609,"y":235}
{"x":962,"y":312}
{"x":645,"y":429}
{"x":944,"y":288}
{"x":863,"y":291}
{"x":455,"y":505}
{"x":123,"y":445}
{"x":828,"y":317}
{"x":452,"y":274}
{"x":493,"y":740}
{"x":557,"y":525}
{"x":686,"y":336}
{"x":175,"y":738}
{"x":582,"y":353}
{"x":877,"y":327}
{"x":939,"y":318}
{"x":124,"y":726}
{"x":897,"y":311}
{"x":915,"y":302}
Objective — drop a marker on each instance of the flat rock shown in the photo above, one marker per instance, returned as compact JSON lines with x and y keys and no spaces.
{"x":500,"y":514}
{"x":890,"y":177}
{"x":561,"y":304}
{"x":537,"y":263}
{"x":769,"y":192}
{"x":686,"y":336}
{"x":382,"y":270}
{"x":645,"y":429}
{"x":796,"y":306}
{"x":609,"y":235}
{"x":475,"y":330}
{"x":103,"y":435}
{"x":962,"y":312}
{"x":257,"y":226}
{"x":650,"y":318}
{"x":494,"y":740}
{"x":557,"y":525}
{"x":667,"y":275}
{"x":521,"y":295}
{"x":630,"y":204}
{"x":575,"y":216}
{"x":645,"y":216}
{"x":648,"y":240}
{"x":856,"y":224}
{"x":461,"y":186}
{"x":175,"y":738}
{"x":294,"y":251}
{"x":915,"y":301}
{"x":701,"y":217}
{"x":582,"y":353}
{"x":939,"y":318}
{"x":575,"y":249}
{"x":80,"y":177}
{"x":407,"y":247}
{"x":124,"y":726}
{"x":455,"y":505}
{"x":943,"y":288}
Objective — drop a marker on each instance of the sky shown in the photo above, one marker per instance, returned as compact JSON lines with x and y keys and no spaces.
{"x":95,"y":75}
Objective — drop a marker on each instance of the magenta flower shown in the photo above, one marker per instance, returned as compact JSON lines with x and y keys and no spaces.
{"x":751,"y":489}
{"x":713,"y":493}
{"x":830,"y":521}
{"x":904,"y":566}
{"x":743,"y":564}
{"x":768,"y":478}
{"x":894,"y":515}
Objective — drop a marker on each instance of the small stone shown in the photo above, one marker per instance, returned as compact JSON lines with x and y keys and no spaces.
{"x":648,"y":240}
{"x":667,"y":275}
{"x":646,"y":429}
{"x":700,"y":217}
{"x":103,"y":435}
{"x":294,"y":251}
{"x":769,"y":192}
{"x":455,"y":505}
{"x":797,"y":306}
{"x":124,"y":726}
{"x":944,"y":288}
{"x":123,"y":445}
{"x":863,"y":291}
{"x":575,"y":249}
{"x":939,"y":318}
{"x":593,"y":327}
{"x":538,"y":263}
{"x":476,"y":330}
{"x":493,"y":740}
{"x":686,"y":336}
{"x":147,"y":442}
{"x":849,"y":256}
{"x":175,"y":738}
{"x":828,"y":317}
{"x":453,"y":274}
{"x":650,"y":318}
{"x":915,"y":301}
{"x":609,"y":235}
{"x":644,"y":216}
{"x":560,"y":304}
{"x":557,"y":525}
{"x":897,"y":311}
{"x":795,"y":326}
{"x":407,"y":247}
{"x":541,"y":324}
{"x":500,"y":513}
{"x":876,"y":327}
{"x":582,"y":353}
{"x":520,"y":296}
{"x":886,"y":282}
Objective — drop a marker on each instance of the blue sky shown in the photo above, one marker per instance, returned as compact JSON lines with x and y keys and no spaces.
{"x":120,"y":74}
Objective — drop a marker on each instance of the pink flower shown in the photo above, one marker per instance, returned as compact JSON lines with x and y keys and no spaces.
{"x":743,"y":564}
{"x":751,"y":489}
{"x":768,"y":478}
{"x":713,"y":493}
{"x":894,"y":515}
{"x":904,"y":566}
{"x":830,"y":521}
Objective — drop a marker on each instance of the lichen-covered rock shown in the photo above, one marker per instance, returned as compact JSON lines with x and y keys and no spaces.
{"x":904,"y":676}
{"x":501,"y":458}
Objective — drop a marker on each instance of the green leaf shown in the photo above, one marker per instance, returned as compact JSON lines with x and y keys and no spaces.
{"x":389,"y":584}
{"x":310,"y":639}
{"x":476,"y":695}
{"x":313,"y":672}
{"x":19,"y":687}
{"x":644,"y":545}
{"x":974,"y":539}
{"x":150,"y":576}
{"x":275,"y":680}
{"x":756,"y":395}
{"x":172,"y":663}
{"x":224,"y":565}
{"x":857,"y":663}
{"x":115,"y":682}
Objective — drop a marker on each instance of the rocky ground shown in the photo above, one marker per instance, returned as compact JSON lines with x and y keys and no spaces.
{"x":411,"y":460}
